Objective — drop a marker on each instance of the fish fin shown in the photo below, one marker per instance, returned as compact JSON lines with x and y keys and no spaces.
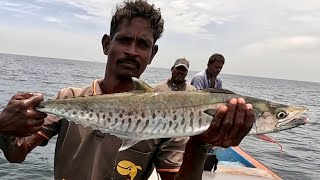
{"x":139,"y":85}
{"x":127,"y":143}
{"x":269,"y":139}
{"x":211,"y":112}
{"x":214,"y":90}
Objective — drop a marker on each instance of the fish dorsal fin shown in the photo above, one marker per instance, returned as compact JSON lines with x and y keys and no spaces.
{"x":214,"y":90}
{"x":139,"y":85}
{"x":211,"y":112}
{"x":127,"y":143}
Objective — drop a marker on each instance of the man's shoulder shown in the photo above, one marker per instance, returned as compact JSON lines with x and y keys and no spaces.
{"x":69,"y":92}
{"x":162,"y":86}
{"x":200,"y":74}
{"x":190,"y":87}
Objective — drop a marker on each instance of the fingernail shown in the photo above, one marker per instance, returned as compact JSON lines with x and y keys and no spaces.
{"x":35,"y":94}
{"x":233,"y":100}
{"x":241,"y":100}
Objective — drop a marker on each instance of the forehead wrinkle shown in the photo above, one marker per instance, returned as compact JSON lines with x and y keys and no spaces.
{"x":143,"y":32}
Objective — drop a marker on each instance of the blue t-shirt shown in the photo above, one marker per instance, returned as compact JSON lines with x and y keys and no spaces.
{"x":201,"y":81}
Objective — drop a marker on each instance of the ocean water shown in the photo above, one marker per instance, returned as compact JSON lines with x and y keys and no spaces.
{"x":301,"y":146}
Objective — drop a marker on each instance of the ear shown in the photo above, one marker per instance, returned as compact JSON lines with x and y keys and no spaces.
{"x":105,"y":43}
{"x":154,"y":52}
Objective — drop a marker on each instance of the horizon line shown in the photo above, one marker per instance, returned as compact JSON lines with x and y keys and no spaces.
{"x":159,"y":67}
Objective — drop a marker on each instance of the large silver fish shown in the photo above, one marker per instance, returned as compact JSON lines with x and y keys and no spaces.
{"x":145,"y":114}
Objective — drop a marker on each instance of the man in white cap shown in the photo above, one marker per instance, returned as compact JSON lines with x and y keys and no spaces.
{"x":177,"y":82}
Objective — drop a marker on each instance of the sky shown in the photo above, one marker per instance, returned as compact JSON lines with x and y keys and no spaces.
{"x":265,"y":38}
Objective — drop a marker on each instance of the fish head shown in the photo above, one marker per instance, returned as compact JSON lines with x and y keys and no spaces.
{"x":277,"y":117}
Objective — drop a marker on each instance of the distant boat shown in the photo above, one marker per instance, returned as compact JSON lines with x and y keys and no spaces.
{"x":234,"y":163}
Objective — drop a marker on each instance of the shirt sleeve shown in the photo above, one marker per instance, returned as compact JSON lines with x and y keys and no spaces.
{"x":170,"y":153}
{"x":50,"y":128}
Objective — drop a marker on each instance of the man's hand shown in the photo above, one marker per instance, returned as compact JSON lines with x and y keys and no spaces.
{"x":19,"y":118}
{"x":230,"y":125}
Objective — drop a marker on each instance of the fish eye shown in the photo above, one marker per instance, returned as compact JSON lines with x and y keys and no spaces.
{"x":281,"y":115}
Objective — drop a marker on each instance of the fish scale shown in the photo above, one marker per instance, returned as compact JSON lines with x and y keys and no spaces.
{"x":144,"y":114}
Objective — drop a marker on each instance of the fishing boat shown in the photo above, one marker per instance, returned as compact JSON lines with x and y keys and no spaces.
{"x":234,"y":163}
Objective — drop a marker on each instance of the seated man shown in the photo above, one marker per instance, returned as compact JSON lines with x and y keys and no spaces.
{"x":209,"y":78}
{"x":177,"y":81}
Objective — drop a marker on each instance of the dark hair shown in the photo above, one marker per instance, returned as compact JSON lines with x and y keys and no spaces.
{"x":216,"y":57}
{"x":138,"y":8}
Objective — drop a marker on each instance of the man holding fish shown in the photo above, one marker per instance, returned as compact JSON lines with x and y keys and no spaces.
{"x":88,"y":153}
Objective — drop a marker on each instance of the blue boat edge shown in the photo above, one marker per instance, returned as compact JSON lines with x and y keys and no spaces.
{"x":236,"y":162}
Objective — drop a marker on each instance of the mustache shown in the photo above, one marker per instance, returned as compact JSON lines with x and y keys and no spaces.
{"x":130,"y":60}
{"x":180,"y":74}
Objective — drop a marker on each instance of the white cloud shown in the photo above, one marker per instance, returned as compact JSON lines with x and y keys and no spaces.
{"x":253,"y":35}
{"x":302,"y":42}
{"x":306,"y":18}
{"x":83,"y":17}
{"x":61,"y":44}
{"x":11,"y":4}
{"x":181,"y":16}
{"x":57,"y":21}
{"x":53,"y":19}
{"x":20,"y":8}
{"x":195,"y":17}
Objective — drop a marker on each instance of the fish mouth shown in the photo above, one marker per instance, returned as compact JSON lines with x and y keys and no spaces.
{"x":302,"y":120}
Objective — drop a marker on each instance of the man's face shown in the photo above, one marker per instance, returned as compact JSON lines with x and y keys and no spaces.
{"x":131,"y":49}
{"x":179,"y":74}
{"x":215,"y":68}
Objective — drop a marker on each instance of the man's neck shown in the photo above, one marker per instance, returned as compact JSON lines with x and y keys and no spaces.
{"x":210,"y":76}
{"x":112,"y":84}
{"x":177,"y":85}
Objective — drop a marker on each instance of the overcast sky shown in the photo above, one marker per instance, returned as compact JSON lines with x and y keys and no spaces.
{"x":269,"y":38}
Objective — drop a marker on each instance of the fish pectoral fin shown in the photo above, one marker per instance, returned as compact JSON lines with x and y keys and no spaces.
{"x":211,"y":112}
{"x":139,"y":85}
{"x":214,"y":90}
{"x":127,"y":143}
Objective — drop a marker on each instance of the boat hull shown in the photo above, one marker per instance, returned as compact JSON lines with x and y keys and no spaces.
{"x":234,"y":163}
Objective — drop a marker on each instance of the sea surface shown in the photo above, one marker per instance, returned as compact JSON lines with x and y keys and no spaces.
{"x":301,"y":146}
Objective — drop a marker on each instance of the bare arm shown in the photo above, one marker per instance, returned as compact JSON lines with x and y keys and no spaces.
{"x":193,"y":161}
{"x":16,"y":149}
